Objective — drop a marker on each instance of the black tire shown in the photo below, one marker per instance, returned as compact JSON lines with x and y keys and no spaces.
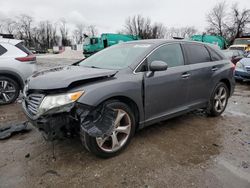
{"x":12,"y":96}
{"x":91,"y":142}
{"x":212,"y":109}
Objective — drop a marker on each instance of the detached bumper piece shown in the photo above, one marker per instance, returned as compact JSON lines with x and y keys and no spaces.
{"x":8,"y":131}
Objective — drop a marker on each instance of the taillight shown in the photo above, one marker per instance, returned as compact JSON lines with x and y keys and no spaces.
{"x":27,"y":58}
{"x":233,"y":66}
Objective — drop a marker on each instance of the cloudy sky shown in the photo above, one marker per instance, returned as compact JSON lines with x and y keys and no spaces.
{"x":110,"y":15}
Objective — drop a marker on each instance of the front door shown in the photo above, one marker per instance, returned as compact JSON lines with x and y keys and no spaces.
{"x":166,"y":91}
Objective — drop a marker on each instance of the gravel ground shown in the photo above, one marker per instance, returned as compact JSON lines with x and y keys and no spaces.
{"x":189,"y":151}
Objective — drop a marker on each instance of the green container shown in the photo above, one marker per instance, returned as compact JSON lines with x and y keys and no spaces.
{"x":212,"y":39}
{"x":95,"y":44}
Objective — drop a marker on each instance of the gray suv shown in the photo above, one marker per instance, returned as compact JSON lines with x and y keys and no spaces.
{"x":105,"y":98}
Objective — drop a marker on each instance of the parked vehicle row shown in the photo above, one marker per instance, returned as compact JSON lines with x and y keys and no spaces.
{"x":108,"y":96}
{"x":234,"y":55}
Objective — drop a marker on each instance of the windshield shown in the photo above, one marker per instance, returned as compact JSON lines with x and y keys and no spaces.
{"x":242,"y":41}
{"x":116,"y":57}
{"x":86,"y":41}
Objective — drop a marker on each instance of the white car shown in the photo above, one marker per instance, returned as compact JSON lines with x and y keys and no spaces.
{"x":17,"y":63}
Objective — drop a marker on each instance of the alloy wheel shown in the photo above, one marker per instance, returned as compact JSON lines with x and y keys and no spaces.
{"x":120,"y":134}
{"x":7,"y":91}
{"x":220,"y":99}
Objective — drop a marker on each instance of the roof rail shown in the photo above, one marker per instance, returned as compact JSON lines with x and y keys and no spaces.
{"x":7,"y":36}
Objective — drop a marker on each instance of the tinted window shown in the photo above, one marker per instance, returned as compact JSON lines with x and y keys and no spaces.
{"x":2,"y":50}
{"x":197,"y":53}
{"x":171,"y":54}
{"x":20,"y":46}
{"x":214,"y":55}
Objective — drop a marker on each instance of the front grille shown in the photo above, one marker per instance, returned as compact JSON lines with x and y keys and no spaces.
{"x":33,"y":102}
{"x":248,"y":69}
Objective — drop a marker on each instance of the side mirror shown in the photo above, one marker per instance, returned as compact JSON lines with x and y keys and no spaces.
{"x":158,"y":66}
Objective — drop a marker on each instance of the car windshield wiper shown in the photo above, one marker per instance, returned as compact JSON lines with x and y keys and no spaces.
{"x":93,"y":67}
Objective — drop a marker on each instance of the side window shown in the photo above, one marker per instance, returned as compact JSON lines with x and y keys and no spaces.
{"x":2,"y":50}
{"x":171,"y":54}
{"x":143,"y":67}
{"x":214,"y":55}
{"x":197,"y":53}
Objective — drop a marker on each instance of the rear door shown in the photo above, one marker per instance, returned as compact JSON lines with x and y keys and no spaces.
{"x":201,"y":71}
{"x":166,"y":91}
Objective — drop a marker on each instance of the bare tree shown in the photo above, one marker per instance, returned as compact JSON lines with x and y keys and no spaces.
{"x":1,"y":26}
{"x":64,"y":32}
{"x":24,"y":26}
{"x":78,"y":33}
{"x":182,"y":32}
{"x":229,"y":25}
{"x":142,"y":27}
{"x":216,"y":19}
{"x":9,"y":25}
{"x":92,"y":30}
{"x":158,"y":31}
{"x":240,"y":20}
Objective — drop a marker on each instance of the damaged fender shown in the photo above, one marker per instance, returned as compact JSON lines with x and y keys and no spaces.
{"x":97,"y":122}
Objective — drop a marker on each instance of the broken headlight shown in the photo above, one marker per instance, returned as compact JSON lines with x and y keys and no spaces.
{"x":53,"y":101}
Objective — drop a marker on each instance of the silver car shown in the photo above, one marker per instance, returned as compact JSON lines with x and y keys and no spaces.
{"x":17,"y":63}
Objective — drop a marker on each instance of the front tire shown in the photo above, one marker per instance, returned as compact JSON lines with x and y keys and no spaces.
{"x":218,"y":100}
{"x":112,"y":145}
{"x":9,"y":90}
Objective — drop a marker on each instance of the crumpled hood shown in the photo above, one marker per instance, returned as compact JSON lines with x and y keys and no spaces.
{"x":62,"y":77}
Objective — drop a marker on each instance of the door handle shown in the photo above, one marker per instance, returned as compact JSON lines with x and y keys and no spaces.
{"x":214,"y":69}
{"x":185,"y":75}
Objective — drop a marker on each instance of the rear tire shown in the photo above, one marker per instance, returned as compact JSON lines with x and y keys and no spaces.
{"x":9,"y":90}
{"x":112,"y":145}
{"x":218,"y":100}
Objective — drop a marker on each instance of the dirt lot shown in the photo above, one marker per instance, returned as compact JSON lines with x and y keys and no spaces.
{"x":188,"y":151}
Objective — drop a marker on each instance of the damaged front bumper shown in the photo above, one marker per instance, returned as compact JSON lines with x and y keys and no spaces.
{"x":74,"y":118}
{"x":56,"y":123}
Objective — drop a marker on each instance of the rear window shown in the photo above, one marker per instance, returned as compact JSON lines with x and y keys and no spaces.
{"x":2,"y":50}
{"x":214,"y":55}
{"x":20,"y":46}
{"x":197,"y":53}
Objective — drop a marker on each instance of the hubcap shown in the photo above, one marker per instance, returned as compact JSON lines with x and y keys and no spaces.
{"x":220,"y":99}
{"x":120,"y":134}
{"x":7,"y":91}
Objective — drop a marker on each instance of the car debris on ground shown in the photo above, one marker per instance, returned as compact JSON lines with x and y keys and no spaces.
{"x":8,"y":131}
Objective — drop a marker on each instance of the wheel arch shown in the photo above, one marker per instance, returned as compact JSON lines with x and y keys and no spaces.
{"x":130,"y":102}
{"x":228,"y":84}
{"x":13,"y":76}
